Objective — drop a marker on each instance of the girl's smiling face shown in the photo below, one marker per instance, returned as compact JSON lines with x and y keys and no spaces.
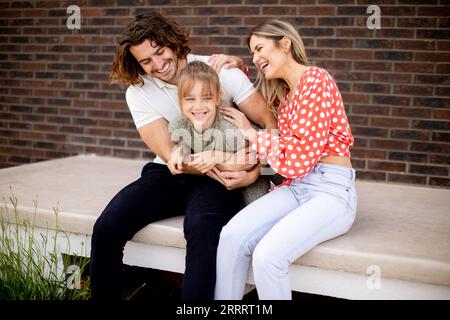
{"x":200,"y":106}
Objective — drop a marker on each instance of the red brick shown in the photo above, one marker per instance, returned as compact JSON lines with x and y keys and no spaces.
{"x":355,"y":98}
{"x":317,"y":11}
{"x":441,"y":113}
{"x":440,"y":11}
{"x":406,"y":178}
{"x":410,"y":134}
{"x":373,"y":66}
{"x":432,"y":56}
{"x":417,"y":22}
{"x":389,"y":144}
{"x":240,"y":10}
{"x":353,"y":54}
{"x":371,"y":87}
{"x":415,"y":44}
{"x":367,"y":175}
{"x":439,"y":182}
{"x":392,"y":77}
{"x":443,"y":45}
{"x":413,"y":90}
{"x":386,"y":166}
{"x":354,"y":32}
{"x":368,"y":153}
{"x":280,"y":11}
{"x":440,"y":159}
{"x":389,"y":122}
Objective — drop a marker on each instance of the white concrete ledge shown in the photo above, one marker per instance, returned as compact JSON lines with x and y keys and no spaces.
{"x":401,"y":235}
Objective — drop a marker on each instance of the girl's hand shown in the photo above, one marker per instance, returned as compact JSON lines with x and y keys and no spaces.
{"x":175,"y":164}
{"x":239,"y":120}
{"x":205,"y":161}
{"x":217,"y":61}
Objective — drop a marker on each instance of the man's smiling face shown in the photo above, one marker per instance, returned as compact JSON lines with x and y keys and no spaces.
{"x":159,"y":62}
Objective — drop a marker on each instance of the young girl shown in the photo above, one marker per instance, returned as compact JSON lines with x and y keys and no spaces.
{"x":202,"y":130}
{"x":317,"y":201}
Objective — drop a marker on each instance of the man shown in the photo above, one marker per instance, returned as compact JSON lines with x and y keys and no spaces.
{"x":149,"y":58}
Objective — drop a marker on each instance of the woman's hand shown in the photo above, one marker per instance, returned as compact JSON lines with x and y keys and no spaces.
{"x":217,"y":61}
{"x":239,"y":120}
{"x":236,"y":179}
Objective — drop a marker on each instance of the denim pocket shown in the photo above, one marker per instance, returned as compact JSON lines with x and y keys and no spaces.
{"x":353,"y":199}
{"x":333,"y":177}
{"x":340,"y":184}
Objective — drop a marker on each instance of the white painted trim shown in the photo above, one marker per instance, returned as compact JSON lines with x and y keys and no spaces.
{"x":156,"y":257}
{"x":355,"y":286}
{"x":303,"y":278}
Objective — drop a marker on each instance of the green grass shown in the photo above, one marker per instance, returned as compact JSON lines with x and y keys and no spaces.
{"x":31,"y":268}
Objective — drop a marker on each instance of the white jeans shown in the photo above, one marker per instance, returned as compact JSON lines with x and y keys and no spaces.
{"x":280,"y":227}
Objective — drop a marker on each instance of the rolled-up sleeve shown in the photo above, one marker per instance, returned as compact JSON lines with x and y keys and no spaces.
{"x":295,"y":151}
{"x":140,"y":108}
{"x":236,"y":84}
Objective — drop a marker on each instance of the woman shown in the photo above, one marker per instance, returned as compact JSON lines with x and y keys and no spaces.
{"x":317,"y":201}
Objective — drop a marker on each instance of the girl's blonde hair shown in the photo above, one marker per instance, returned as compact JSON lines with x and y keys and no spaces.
{"x":198,"y":71}
{"x":274,"y":91}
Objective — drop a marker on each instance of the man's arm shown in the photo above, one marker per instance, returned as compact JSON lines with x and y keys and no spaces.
{"x":256,"y":110}
{"x":156,"y":137}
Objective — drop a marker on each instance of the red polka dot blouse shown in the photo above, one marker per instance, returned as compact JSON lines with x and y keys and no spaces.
{"x":312,"y":125}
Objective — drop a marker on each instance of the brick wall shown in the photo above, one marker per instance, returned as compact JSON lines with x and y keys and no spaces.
{"x":55,"y":100}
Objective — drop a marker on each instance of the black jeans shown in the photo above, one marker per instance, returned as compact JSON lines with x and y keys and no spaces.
{"x":156,"y":195}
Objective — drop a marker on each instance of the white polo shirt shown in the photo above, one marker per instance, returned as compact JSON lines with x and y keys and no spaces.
{"x":158,"y":99}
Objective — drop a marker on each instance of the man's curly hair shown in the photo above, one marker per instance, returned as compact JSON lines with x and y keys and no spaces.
{"x":150,"y":26}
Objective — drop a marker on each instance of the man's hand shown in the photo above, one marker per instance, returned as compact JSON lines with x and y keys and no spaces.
{"x":217,"y":61}
{"x":173,"y":168}
{"x":237,"y":179}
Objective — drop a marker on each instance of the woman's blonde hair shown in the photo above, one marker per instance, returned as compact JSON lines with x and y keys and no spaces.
{"x":198,"y":71}
{"x":274,"y":91}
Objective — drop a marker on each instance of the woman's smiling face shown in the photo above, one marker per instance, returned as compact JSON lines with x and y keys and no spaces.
{"x":268,"y":56}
